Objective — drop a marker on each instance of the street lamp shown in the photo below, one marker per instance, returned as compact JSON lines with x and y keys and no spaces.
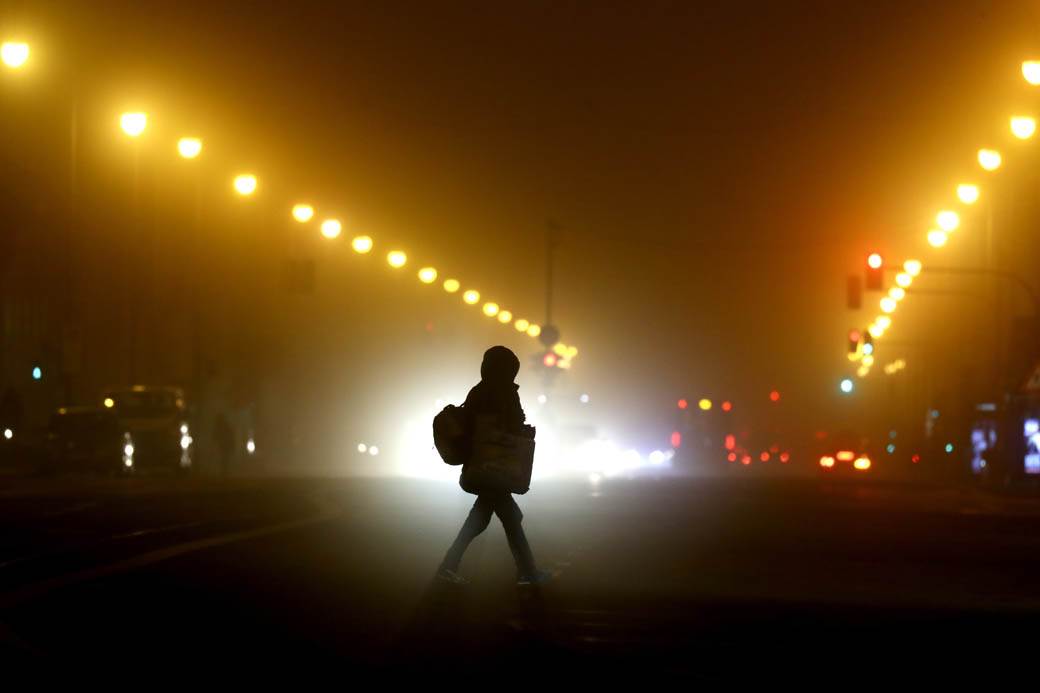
{"x":521,"y":325}
{"x":471,"y":297}
{"x":245,"y":184}
{"x":904,"y":279}
{"x":505,"y":316}
{"x":491,"y":309}
{"x":897,"y":292}
{"x":1023,"y":127}
{"x":303,"y":213}
{"x":968,"y":193}
{"x":888,"y":304}
{"x":451,"y":285}
{"x":1031,"y":71}
{"x":937,"y":238}
{"x":14,"y":54}
{"x":989,"y":159}
{"x":331,"y":228}
{"x":948,"y":220}
{"x":428,"y":275}
{"x":133,"y":123}
{"x":534,"y":330}
{"x":913,"y":267}
{"x":396,"y":259}
{"x":361,"y":244}
{"x":189,"y":147}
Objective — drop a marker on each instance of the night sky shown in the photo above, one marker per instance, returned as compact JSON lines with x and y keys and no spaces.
{"x":715,"y":169}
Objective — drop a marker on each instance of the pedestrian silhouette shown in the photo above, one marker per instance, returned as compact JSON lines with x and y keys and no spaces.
{"x":494,"y":420}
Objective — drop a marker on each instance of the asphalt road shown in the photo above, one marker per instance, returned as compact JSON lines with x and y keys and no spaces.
{"x":714,"y":579}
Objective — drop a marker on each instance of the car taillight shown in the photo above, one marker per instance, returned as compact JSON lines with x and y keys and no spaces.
{"x":862,"y":463}
{"x":826,"y":461}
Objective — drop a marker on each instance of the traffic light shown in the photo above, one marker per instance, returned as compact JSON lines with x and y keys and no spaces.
{"x":854,"y":292}
{"x":875,"y":272}
{"x":854,"y":339}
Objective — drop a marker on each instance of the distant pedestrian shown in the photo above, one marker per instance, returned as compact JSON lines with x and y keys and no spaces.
{"x":224,"y":439}
{"x":494,"y":400}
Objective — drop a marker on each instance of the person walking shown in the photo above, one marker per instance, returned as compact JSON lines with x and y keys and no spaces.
{"x":496,"y":399}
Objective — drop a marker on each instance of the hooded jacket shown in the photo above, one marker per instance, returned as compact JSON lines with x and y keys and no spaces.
{"x":496,"y":393}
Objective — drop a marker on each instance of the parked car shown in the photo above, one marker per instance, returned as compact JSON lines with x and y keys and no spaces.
{"x":88,"y":439}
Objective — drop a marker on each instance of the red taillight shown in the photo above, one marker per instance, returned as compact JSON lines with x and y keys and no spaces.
{"x":764,"y":456}
{"x":732,"y":457}
{"x":785,"y":457}
{"x":846,"y":455}
{"x":826,"y":461}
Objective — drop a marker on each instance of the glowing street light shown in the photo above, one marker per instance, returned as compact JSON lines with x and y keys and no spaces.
{"x":491,"y":309}
{"x":534,"y":330}
{"x":303,"y":213}
{"x":451,"y":285}
{"x":427,"y":275}
{"x":876,"y":331}
{"x":396,"y":259}
{"x":133,"y":124}
{"x":846,"y":385}
{"x":904,"y":279}
{"x":521,"y":325}
{"x":1031,"y":71}
{"x":937,"y":238}
{"x":331,"y":228}
{"x":913,"y":267}
{"x":948,"y":220}
{"x":245,"y":184}
{"x":189,"y":147}
{"x":1023,"y":127}
{"x":884,"y":322}
{"x":361,"y":244}
{"x":14,"y":54}
{"x":968,"y":193}
{"x":888,"y":304}
{"x":471,"y":297}
{"x":505,"y":316}
{"x":874,"y":261}
{"x":989,"y":159}
{"x":897,"y":292}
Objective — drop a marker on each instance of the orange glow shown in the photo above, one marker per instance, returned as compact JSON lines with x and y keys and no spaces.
{"x":846,"y":455}
{"x":874,"y":261}
{"x":862,"y":463}
{"x":745,"y":460}
{"x":727,"y":405}
{"x":826,"y":461}
{"x":549,"y":359}
{"x":683,"y":404}
{"x":774,"y":395}
{"x":785,"y":457}
{"x":732,"y":457}
{"x":731,"y":441}
{"x":764,"y":456}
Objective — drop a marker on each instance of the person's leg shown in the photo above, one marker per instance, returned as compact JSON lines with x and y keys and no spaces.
{"x":509,"y":513}
{"x":476,"y":522}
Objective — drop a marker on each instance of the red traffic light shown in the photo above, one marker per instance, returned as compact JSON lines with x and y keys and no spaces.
{"x":727,"y":405}
{"x":774,"y":395}
{"x":683,"y":404}
{"x":676,"y":439}
{"x":855,"y":335}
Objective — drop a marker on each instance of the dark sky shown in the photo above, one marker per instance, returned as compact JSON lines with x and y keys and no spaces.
{"x":716,"y":168}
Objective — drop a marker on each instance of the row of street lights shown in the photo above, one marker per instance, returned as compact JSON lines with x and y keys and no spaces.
{"x":947,"y":221}
{"x":15,"y":56}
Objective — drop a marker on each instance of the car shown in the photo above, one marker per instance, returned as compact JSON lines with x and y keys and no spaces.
{"x":157,"y":419}
{"x":846,"y":453}
{"x":88,"y":439}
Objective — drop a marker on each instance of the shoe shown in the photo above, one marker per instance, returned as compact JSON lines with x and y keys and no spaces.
{"x":538,"y":577}
{"x":450,"y":576}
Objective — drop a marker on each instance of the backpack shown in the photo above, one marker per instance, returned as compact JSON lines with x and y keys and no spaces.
{"x":450,"y":434}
